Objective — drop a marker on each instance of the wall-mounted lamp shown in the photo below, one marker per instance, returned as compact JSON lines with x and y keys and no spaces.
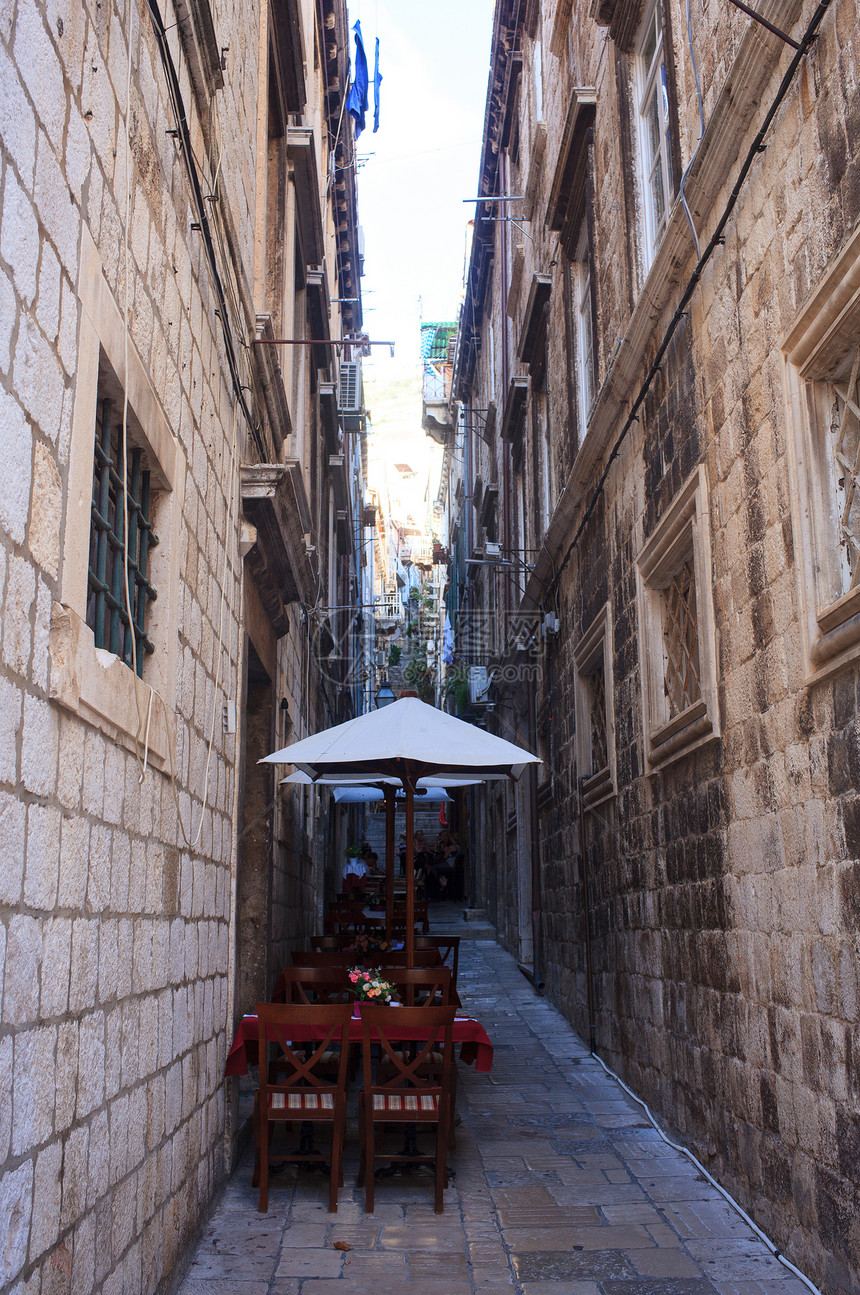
{"x":384,"y":696}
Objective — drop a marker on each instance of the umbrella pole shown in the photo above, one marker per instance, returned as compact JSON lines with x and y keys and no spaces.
{"x":390,"y":807}
{"x":410,"y":873}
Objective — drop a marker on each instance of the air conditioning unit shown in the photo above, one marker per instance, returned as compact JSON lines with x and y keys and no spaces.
{"x":349,"y":387}
{"x":492,"y":549}
{"x":479,"y":685}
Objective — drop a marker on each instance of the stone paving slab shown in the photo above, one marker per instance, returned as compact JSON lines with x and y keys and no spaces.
{"x":560,"y":1187}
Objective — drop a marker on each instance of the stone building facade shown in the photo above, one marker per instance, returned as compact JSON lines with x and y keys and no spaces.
{"x":176,"y":194}
{"x":655,"y":555}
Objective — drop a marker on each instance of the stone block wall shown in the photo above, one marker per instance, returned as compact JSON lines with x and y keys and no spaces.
{"x":722,"y":918}
{"x":721,"y":938}
{"x":113,"y":928}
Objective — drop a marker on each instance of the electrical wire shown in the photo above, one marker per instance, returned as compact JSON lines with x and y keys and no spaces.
{"x":676,"y":1146}
{"x":183,"y":135}
{"x":142,"y":761}
{"x":716,"y":239}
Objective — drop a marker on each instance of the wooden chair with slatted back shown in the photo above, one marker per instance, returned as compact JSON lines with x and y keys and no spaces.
{"x":421,"y":914}
{"x":401,"y":1094}
{"x":299,"y":984}
{"x":318,"y":985}
{"x":344,"y":917}
{"x":449,"y":951}
{"x":321,"y":958}
{"x":429,"y":987}
{"x":330,"y":941}
{"x":290,"y":1087}
{"x":421,"y":986}
{"x":397,"y":958}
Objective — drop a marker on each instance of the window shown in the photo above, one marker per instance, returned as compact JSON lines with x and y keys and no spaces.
{"x":654,"y":141}
{"x":90,"y":643}
{"x":823,"y":378}
{"x":584,"y":331}
{"x":595,"y":724}
{"x":119,"y":516}
{"x":677,"y":638}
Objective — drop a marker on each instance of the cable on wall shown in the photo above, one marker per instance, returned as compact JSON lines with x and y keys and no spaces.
{"x":184,"y":138}
{"x":716,"y":239}
{"x":676,"y":1146}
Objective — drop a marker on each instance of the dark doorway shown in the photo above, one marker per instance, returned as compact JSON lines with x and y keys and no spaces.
{"x":256,"y":808}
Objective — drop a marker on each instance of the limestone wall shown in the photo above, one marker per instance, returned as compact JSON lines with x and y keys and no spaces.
{"x":118,"y":801}
{"x":722,"y":914}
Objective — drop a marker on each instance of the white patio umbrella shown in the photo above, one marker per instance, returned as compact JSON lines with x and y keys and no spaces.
{"x":407,"y":740}
{"x":370,"y":795}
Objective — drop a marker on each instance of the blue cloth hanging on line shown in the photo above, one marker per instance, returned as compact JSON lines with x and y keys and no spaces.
{"x":377,"y":82}
{"x":356,"y":104}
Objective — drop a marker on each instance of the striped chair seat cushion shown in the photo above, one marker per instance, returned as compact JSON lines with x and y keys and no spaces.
{"x":405,"y":1102}
{"x":302,"y":1099}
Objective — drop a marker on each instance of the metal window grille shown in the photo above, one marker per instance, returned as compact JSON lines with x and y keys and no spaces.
{"x":846,"y":453}
{"x":597,"y":706}
{"x":107,"y":616}
{"x":681,"y":640}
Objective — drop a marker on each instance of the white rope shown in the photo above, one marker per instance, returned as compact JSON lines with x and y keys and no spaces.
{"x":777,"y":1254}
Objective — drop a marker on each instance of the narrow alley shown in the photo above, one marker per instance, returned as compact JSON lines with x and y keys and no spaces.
{"x":562,"y":1187}
{"x":430,"y":508}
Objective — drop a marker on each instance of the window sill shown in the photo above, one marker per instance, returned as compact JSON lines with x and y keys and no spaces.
{"x":597,"y":788}
{"x":102,"y":690}
{"x":685,"y":733}
{"x":831,"y":650}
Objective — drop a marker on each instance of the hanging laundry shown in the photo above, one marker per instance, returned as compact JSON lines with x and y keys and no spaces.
{"x":356,"y":104}
{"x":448,"y":642}
{"x":377,"y":82}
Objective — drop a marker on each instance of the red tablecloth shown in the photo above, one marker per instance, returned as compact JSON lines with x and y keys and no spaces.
{"x":471,"y":1035}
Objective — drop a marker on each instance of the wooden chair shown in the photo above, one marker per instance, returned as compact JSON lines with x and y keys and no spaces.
{"x":321,"y":958}
{"x":290,"y":1087}
{"x":405,"y":1096}
{"x":397,"y":958}
{"x":422,"y":986}
{"x":422,"y":917}
{"x":347,"y":958}
{"x":428,"y":987}
{"x":341,"y":918}
{"x":449,"y":951}
{"x":312,"y":985}
{"x":320,"y":942}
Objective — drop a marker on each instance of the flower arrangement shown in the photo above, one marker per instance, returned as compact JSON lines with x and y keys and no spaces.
{"x":365,"y":944}
{"x":369,"y":987}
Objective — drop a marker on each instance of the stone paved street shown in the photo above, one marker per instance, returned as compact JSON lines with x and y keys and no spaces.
{"x":562,"y":1188}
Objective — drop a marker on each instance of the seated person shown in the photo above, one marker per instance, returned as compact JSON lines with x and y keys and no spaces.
{"x":355,"y":872}
{"x":441,"y":871}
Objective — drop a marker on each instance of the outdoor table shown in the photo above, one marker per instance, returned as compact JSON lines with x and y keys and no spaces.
{"x":475,"y":1045}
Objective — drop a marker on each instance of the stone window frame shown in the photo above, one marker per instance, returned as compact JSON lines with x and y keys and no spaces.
{"x":681,"y":537}
{"x":818,"y":353}
{"x":585,"y":351}
{"x":90,"y":682}
{"x":647,"y":83}
{"x":594,"y":655}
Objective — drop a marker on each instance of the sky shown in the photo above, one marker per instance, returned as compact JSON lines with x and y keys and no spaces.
{"x":416,"y":170}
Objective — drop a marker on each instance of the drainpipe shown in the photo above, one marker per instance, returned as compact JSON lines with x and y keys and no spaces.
{"x":586,"y":904}
{"x":537,"y":905}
